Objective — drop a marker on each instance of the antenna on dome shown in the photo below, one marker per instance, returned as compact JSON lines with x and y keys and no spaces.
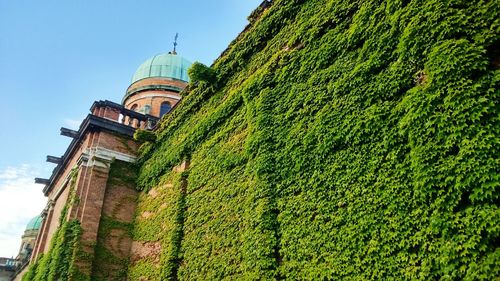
{"x":175,"y":44}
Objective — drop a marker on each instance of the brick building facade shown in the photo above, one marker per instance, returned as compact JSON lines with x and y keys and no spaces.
{"x":104,"y":139}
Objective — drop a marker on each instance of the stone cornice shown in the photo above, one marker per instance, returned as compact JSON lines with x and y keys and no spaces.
{"x":102,"y":157}
{"x":91,"y":123}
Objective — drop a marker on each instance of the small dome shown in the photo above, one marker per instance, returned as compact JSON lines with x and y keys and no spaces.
{"x":166,"y":65}
{"x":35,"y":223}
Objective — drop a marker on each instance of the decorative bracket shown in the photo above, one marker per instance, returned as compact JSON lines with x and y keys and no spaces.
{"x":42,"y":181}
{"x":54,"y":159}
{"x":69,"y":133}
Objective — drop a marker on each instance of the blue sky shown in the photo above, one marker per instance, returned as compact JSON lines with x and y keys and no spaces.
{"x":57,"y":57}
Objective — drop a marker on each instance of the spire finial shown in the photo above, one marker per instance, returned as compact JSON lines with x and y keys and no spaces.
{"x":175,"y":44}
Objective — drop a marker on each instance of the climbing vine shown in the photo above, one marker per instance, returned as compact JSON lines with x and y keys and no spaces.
{"x":59,"y":263}
{"x":336,"y":140}
{"x":343,"y":140}
{"x":111,"y":252}
{"x":161,"y":208}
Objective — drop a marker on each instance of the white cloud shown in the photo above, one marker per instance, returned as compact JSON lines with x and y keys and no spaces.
{"x":12,"y":173}
{"x":20,"y":200}
{"x":73,"y":124}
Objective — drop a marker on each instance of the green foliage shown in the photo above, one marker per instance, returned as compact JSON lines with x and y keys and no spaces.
{"x":30,"y":273}
{"x":199,"y":72}
{"x":345,"y":140}
{"x":106,"y":265}
{"x":162,"y":208}
{"x":122,"y":174}
{"x":60,"y":262}
{"x":144,"y":270}
{"x":110,"y":262}
{"x":142,"y":136}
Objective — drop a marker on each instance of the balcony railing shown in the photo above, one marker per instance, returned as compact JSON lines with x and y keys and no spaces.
{"x":122,"y":115}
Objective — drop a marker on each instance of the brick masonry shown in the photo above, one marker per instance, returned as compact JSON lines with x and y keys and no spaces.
{"x":153,"y":98}
{"x":99,"y":197}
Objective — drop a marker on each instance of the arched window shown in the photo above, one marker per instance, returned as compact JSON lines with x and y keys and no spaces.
{"x":134,"y":107}
{"x":146,"y":109}
{"x":165,"y":108}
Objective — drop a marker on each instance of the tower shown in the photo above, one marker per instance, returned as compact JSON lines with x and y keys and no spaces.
{"x":28,"y":239}
{"x":156,"y":84}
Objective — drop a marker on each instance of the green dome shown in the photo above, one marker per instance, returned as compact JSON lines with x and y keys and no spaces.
{"x":34,"y":223}
{"x":164,"y":65}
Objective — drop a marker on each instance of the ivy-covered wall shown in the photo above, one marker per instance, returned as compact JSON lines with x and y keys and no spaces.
{"x":157,"y":230}
{"x":68,"y":257}
{"x":61,"y":260}
{"x":114,"y":237}
{"x":341,"y":140}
